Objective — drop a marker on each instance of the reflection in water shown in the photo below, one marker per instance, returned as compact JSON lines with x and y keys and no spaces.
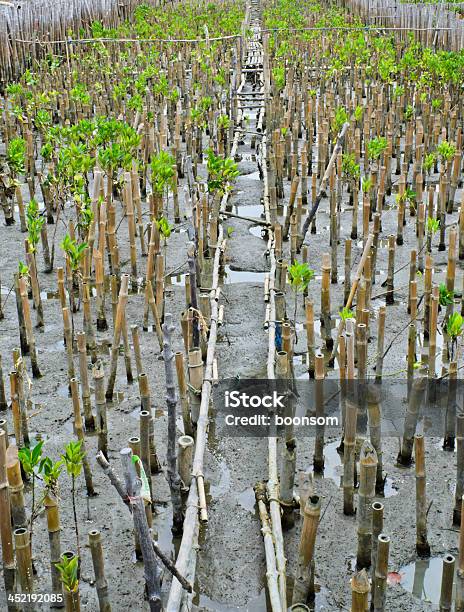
{"x":422,"y":578}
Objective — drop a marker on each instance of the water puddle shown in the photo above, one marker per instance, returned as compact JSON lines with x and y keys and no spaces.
{"x":255,"y":211}
{"x":259,"y":231}
{"x":422,"y":578}
{"x":247,"y":500}
{"x":242,"y":276}
{"x":333,"y":469}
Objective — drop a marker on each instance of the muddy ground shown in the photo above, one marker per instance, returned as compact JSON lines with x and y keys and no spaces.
{"x":231,"y":569}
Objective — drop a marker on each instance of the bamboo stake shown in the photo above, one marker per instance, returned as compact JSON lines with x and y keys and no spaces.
{"x":381,"y":573}
{"x":171,"y":401}
{"x":6,"y":534}
{"x":79,"y":431}
{"x":16,"y":487}
{"x":84,"y":380}
{"x":459,"y":492}
{"x":311,"y":517}
{"x":99,"y":570}
{"x":29,"y":332}
{"x":54,"y":529}
{"x":459,"y":603}
{"x":72,"y":600}
{"x":24,"y":563}
{"x":367,"y":477}
{"x":360,"y":591}
{"x":422,"y":545}
{"x":117,"y":335}
{"x":101,"y":423}
{"x":447,"y":579}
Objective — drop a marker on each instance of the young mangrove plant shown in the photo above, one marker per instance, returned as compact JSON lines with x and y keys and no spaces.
{"x":299,"y":275}
{"x":72,"y":461}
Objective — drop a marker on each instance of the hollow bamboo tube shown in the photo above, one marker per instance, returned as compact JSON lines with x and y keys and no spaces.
{"x":137,"y":352}
{"x":100,"y":406}
{"x":79,"y":431}
{"x":145,"y":403}
{"x":21,"y":321}
{"x":84,"y":380}
{"x":69,"y":343}
{"x":427,"y":294}
{"x":6,"y":535}
{"x":377,"y":528}
{"x":145,"y":417}
{"x":302,"y":584}
{"x":122,"y":300}
{"x":29,"y":331}
{"x":325,"y":301}
{"x":195,"y":368}
{"x":99,"y":570}
{"x":375,"y":434}
{"x":459,"y":492}
{"x":24,"y":562}
{"x":362,"y":351}
{"x":422,"y":545}
{"x":410,"y":422}
{"x":360,"y":591}
{"x":72,"y":600}
{"x":349,"y":441}
{"x":434,"y":302}
{"x":127,"y":196}
{"x":310,"y":341}
{"x":390,"y":271}
{"x":318,"y":458}
{"x":347,"y":283}
{"x":54,"y":530}
{"x":411,"y":356}
{"x":451,"y":268}
{"x":186,"y":447}
{"x":15,"y":407}
{"x":183,"y":394}
{"x":367,"y":478}
{"x":381,"y":573}
{"x":380,"y":343}
{"x":446,"y":592}
{"x":16,"y":487}
{"x":459,"y":603}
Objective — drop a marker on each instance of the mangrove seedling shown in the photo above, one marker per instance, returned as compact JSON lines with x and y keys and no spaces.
{"x":68,"y":572}
{"x":34,"y":222}
{"x":162,"y":173}
{"x":222,"y":172}
{"x":72,"y":460}
{"x":346,"y":313}
{"x":433,"y":226}
{"x":445,"y":297}
{"x":446,"y":151}
{"x":299,"y":275}
{"x":31,"y":463}
{"x":454,"y":330}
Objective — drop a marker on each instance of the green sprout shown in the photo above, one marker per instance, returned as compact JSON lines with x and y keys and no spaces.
{"x":34,"y":222}
{"x":445,"y":297}
{"x":162,"y":172}
{"x":446,"y":151}
{"x":222,"y":171}
{"x":16,"y":156}
{"x":72,"y":460}
{"x":69,"y":569}
{"x":299,"y":275}
{"x":74,"y":251}
{"x":376,"y":147}
{"x":345,"y":313}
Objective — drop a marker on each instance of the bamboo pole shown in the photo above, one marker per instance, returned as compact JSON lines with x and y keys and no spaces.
{"x":6,"y":534}
{"x":72,"y":599}
{"x":99,"y":570}
{"x":360,"y":591}
{"x":122,"y":300}
{"x":29,"y":331}
{"x":79,"y":431}
{"x":101,"y":423}
{"x":303,"y":581}
{"x":422,"y":545}
{"x":24,"y":564}
{"x":84,"y":380}
{"x":459,"y":492}
{"x":54,"y":529}
{"x":447,"y":579}
{"x":367,"y":478}
{"x":16,"y":487}
{"x":459,"y":603}
{"x":381,"y":573}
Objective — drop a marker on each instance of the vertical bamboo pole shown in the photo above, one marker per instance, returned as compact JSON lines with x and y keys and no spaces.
{"x":84,"y":380}
{"x":381,"y":573}
{"x":6,"y":535}
{"x":54,"y":529}
{"x":311,"y":516}
{"x":367,"y":478}
{"x":99,"y":570}
{"x":447,"y":579}
{"x":29,"y":331}
{"x":422,"y":545}
{"x":360,"y":591}
{"x":122,"y":300}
